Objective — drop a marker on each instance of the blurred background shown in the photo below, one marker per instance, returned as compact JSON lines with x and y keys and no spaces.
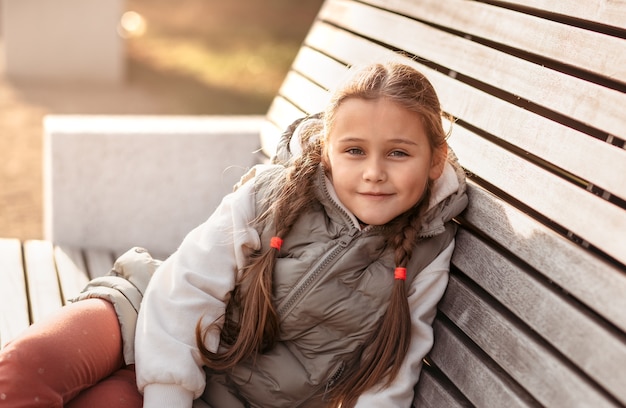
{"x":179,"y":57}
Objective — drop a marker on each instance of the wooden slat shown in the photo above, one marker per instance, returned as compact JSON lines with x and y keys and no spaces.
{"x":308,"y":59}
{"x":475,"y":375}
{"x":43,"y":284}
{"x":281,"y":113}
{"x":567,"y":44}
{"x":435,"y":392}
{"x":550,"y":89}
{"x":295,"y":85}
{"x":550,"y":141}
{"x":325,"y":71}
{"x":569,"y":328}
{"x":347,"y":49}
{"x":593,"y":281}
{"x":529,"y":361}
{"x":596,"y":220}
{"x":71,"y":270}
{"x":270,"y":135}
{"x":612,"y":13}
{"x":98,"y":262}
{"x":14,"y":302}
{"x":555,"y":143}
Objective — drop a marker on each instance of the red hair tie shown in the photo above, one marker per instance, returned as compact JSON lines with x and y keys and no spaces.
{"x":400,"y":273}
{"x":276,"y":243}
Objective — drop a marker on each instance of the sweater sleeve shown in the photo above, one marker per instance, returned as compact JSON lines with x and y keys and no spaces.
{"x":192,"y":285}
{"x":424,"y":294}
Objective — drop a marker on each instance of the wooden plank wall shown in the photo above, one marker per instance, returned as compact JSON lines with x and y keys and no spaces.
{"x":535,"y":313}
{"x":38,"y":277}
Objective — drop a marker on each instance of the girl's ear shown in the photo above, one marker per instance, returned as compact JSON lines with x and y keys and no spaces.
{"x":324,"y":158}
{"x":440,"y":157}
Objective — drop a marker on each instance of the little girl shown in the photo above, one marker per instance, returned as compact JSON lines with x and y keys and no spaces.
{"x":314,"y":284}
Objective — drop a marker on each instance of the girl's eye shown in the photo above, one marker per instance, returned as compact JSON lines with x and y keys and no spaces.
{"x":354,"y":151}
{"x":398,"y":153}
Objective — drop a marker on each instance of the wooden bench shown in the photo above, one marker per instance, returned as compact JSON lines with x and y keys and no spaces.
{"x":37,"y":277}
{"x":535,"y":312}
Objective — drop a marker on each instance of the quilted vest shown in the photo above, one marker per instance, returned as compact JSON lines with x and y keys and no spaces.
{"x":332,"y":284}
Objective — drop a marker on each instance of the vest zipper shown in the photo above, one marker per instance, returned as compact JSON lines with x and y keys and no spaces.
{"x":311,"y":277}
{"x":330,"y":383}
{"x":303,"y":285}
{"x":333,"y":379}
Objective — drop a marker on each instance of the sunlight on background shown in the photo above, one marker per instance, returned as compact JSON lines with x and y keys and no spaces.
{"x":221,"y":57}
{"x":165,"y":57}
{"x":132,"y":24}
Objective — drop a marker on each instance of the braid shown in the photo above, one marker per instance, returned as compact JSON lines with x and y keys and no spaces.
{"x":405,"y":230}
{"x":251,"y":323}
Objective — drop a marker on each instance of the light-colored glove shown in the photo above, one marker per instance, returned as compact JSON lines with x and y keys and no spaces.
{"x":124,"y":287}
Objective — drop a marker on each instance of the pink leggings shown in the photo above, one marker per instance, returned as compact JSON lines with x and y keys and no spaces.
{"x":72,"y":359}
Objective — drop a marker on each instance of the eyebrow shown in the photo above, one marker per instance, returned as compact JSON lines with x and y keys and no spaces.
{"x":357,"y":139}
{"x":404,"y":141}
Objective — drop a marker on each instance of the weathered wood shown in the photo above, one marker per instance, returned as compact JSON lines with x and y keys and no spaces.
{"x":71,"y":270}
{"x":431,"y":393}
{"x":527,"y":81}
{"x":319,"y":68}
{"x":555,"y":198}
{"x":43,"y":284}
{"x":98,"y":262}
{"x":604,"y":12}
{"x":556,"y":317}
{"x":316,"y":96}
{"x":525,"y":357}
{"x":42,"y":280}
{"x":476,"y":375}
{"x":549,"y":141}
{"x":280,"y":114}
{"x":559,"y":146}
{"x":548,"y":40}
{"x":14,"y":316}
{"x":584,"y":275}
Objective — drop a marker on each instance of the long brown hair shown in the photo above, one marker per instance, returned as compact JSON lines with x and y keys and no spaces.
{"x":251,"y":324}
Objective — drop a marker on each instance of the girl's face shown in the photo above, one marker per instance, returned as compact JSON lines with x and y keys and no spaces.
{"x":380,"y":159}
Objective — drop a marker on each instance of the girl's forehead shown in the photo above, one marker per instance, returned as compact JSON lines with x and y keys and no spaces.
{"x":365,"y":106}
{"x":364,"y":112}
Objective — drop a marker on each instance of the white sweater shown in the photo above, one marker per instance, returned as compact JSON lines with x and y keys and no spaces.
{"x":196,"y":281}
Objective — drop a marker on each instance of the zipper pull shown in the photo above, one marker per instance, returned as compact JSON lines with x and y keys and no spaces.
{"x":352,"y":234}
{"x":333,"y":380}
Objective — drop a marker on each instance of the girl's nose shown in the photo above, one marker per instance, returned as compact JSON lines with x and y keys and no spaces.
{"x":374,"y":170}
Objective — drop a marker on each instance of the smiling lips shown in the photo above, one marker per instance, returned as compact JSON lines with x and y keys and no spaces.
{"x":374,"y":195}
